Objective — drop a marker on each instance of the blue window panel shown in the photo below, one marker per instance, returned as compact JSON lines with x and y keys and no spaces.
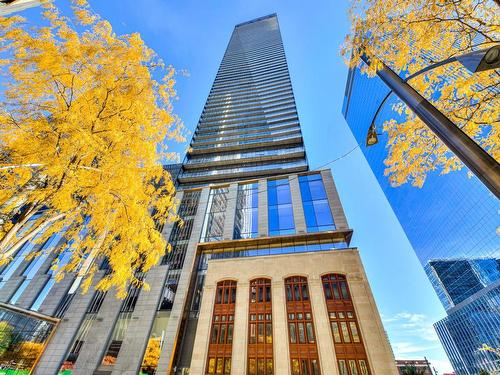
{"x":283,"y":194}
{"x":43,"y":294}
{"x":273,"y":219}
{"x":286,"y":221}
{"x":315,"y":203}
{"x":13,"y":300}
{"x":280,"y":211}
{"x":255,"y":198}
{"x":317,"y":190}
{"x":272,"y":199}
{"x":304,"y":190}
{"x":323,"y":212}
{"x":310,"y":215}
{"x":255,"y":221}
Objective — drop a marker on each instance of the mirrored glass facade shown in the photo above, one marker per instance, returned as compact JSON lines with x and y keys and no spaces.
{"x":213,"y":226}
{"x":314,"y":200}
{"x":23,"y":337}
{"x":246,"y":218}
{"x":468,"y":327}
{"x":451,"y":217}
{"x":280,"y":210}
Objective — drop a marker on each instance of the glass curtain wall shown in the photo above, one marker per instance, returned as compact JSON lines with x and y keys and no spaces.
{"x":246,"y":219}
{"x":315,"y":202}
{"x":280,"y":210}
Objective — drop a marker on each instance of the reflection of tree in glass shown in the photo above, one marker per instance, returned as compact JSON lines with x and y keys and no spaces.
{"x":152,"y":355}
{"x":5,"y":337}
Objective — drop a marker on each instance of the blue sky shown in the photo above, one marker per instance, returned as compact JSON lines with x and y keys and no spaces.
{"x":192,"y":36}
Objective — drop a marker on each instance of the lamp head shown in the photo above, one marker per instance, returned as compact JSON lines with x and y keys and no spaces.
{"x":372,"y":136}
{"x":481,"y":60}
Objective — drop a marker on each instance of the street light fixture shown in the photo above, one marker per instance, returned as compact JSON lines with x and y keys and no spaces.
{"x":476,"y":61}
{"x":482,"y":164}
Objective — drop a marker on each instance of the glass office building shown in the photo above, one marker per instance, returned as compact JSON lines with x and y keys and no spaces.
{"x":252,"y":213}
{"x":452,"y":217}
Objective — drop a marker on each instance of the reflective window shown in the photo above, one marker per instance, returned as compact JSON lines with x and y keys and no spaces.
{"x":36,"y":263}
{"x":23,"y":339}
{"x":315,"y":202}
{"x":280,"y":211}
{"x":213,"y":225}
{"x":246,"y":219}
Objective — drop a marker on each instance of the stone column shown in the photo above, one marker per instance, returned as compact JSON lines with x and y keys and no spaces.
{"x":58,"y":346}
{"x":230,"y":212}
{"x":262,"y":209}
{"x":137,"y":335}
{"x":172,"y":331}
{"x":240,"y":339}
{"x":324,"y":339}
{"x":338,"y":214}
{"x":280,"y":330}
{"x":198,"y":360}
{"x":96,"y":342}
{"x":298,"y":209}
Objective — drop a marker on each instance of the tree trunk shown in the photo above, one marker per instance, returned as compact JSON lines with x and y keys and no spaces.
{"x":12,"y":232}
{"x":27,"y":237}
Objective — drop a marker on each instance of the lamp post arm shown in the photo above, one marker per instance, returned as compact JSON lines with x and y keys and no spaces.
{"x":421,"y":71}
{"x":482,"y":164}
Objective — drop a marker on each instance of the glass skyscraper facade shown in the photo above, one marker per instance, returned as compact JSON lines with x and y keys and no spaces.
{"x":257,"y":225}
{"x":249,"y":126}
{"x":451,"y":222}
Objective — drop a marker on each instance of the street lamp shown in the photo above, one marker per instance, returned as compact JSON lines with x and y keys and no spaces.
{"x":482,"y":164}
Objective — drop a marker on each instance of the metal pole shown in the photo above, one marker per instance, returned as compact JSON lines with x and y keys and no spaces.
{"x":482,"y":164}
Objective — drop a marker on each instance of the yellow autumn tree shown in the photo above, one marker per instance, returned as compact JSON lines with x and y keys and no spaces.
{"x":85,"y":123}
{"x":411,"y":35}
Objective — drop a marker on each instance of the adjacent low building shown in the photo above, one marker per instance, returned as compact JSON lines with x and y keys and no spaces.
{"x":421,"y":365}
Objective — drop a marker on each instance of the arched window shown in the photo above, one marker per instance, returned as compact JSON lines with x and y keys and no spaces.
{"x":301,"y":335}
{"x":260,"y":328}
{"x":221,"y":334}
{"x":349,"y":348}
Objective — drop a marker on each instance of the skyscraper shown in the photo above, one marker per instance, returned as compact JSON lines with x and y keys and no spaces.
{"x":450,"y":221}
{"x":249,"y":126}
{"x":260,"y":278}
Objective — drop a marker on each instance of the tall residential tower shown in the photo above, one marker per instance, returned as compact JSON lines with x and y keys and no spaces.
{"x":260,"y":280}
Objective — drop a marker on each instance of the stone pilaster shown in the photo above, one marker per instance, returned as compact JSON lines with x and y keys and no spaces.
{"x":262,"y":209}
{"x":136,"y":338}
{"x":280,"y":329}
{"x":172,"y":332}
{"x":59,"y":345}
{"x":240,"y":339}
{"x":230,"y":212}
{"x":298,"y":209}
{"x":338,"y":214}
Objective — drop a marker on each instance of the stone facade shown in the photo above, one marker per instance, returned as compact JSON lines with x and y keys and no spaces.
{"x":277,"y":268}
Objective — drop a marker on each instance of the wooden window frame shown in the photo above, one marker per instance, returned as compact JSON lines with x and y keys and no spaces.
{"x":222,"y":319}
{"x":260,"y":313}
{"x":340,"y":309}
{"x":299,"y":310}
